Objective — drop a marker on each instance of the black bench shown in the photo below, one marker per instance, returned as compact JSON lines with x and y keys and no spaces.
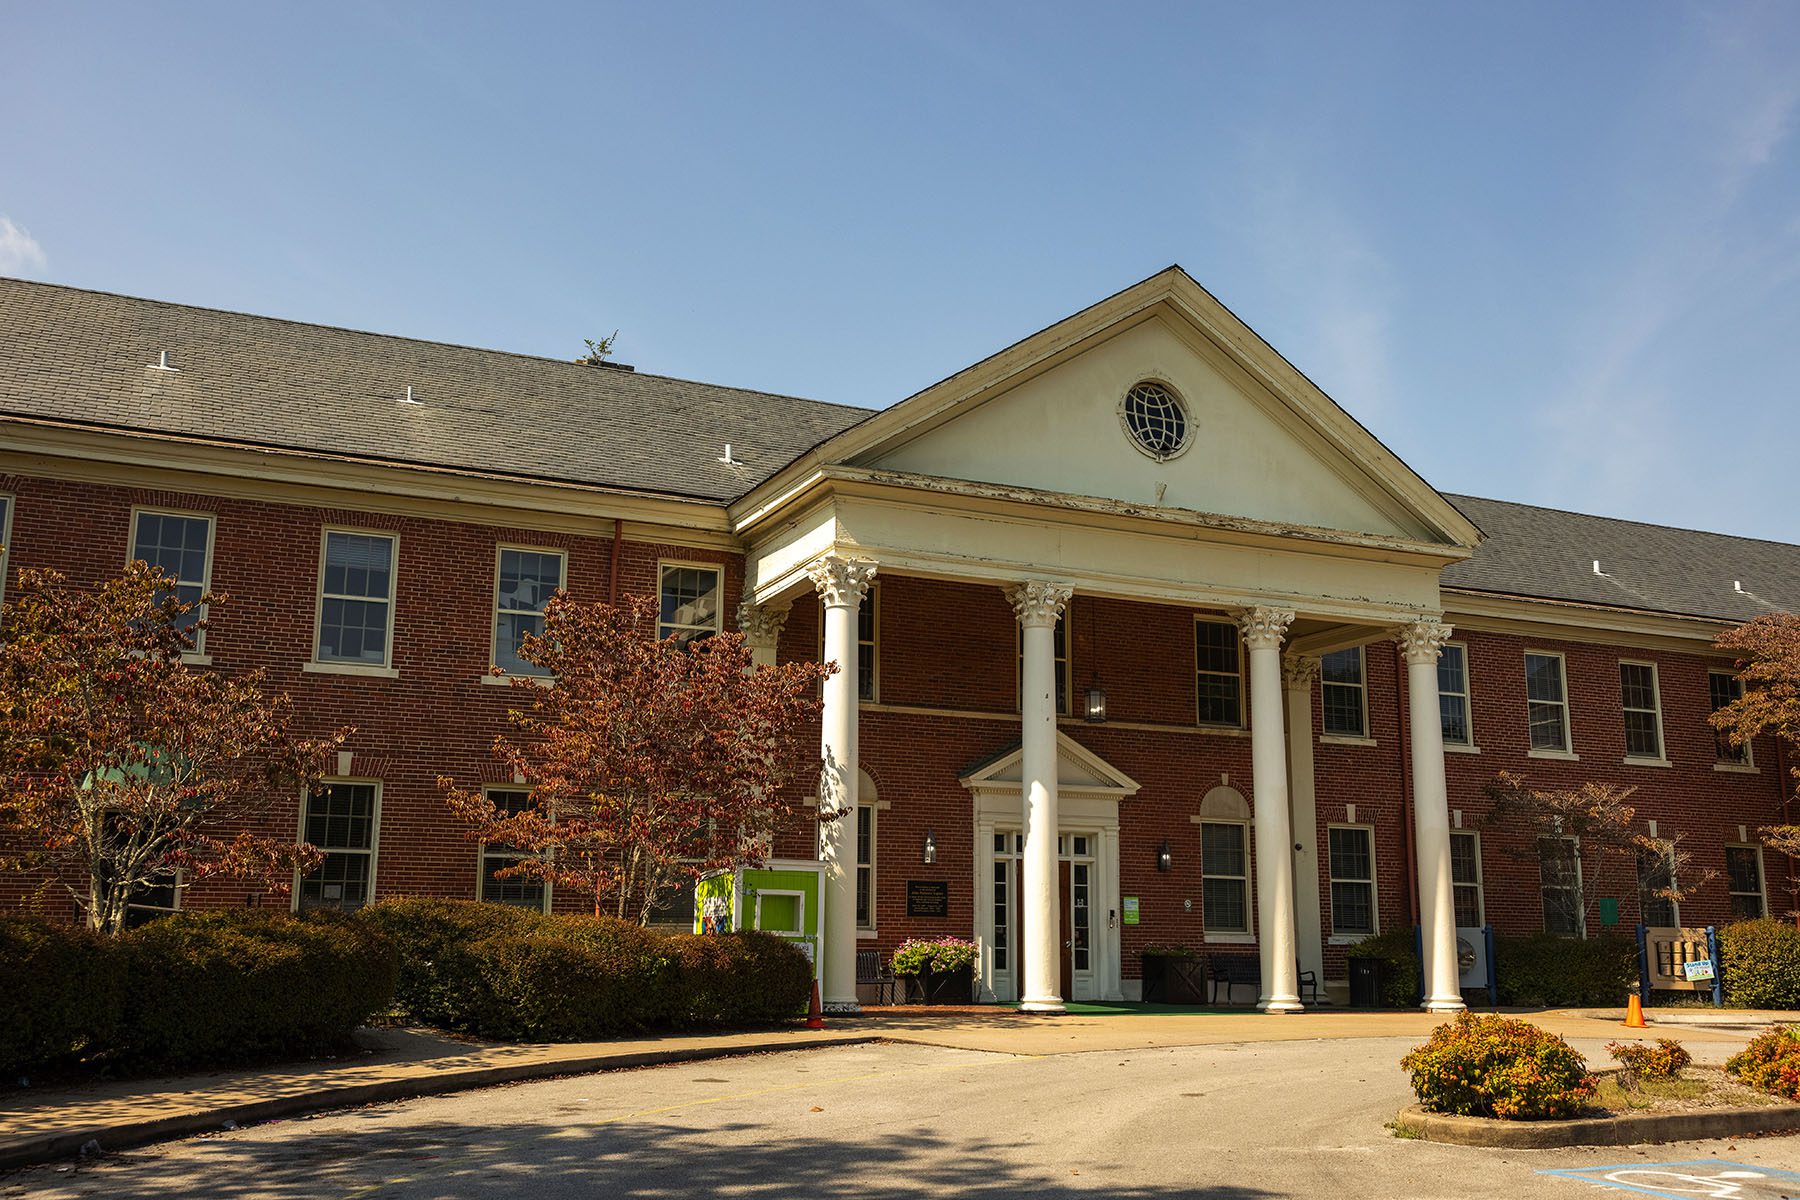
{"x":872,"y":970}
{"x":1233,"y":969}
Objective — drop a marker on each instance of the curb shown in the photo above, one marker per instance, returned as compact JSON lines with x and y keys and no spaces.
{"x":26,"y":1151}
{"x":1597,"y":1131}
{"x":1705,"y":1018}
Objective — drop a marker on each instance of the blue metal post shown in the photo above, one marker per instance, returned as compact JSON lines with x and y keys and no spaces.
{"x":1419,"y":950}
{"x":1712,"y":952}
{"x":1643,"y":964}
{"x":1487,"y":937}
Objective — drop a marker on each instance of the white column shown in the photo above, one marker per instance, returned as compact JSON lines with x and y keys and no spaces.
{"x":1300,"y":673}
{"x":761,"y":626}
{"x":841,"y":583}
{"x":1263,"y":630}
{"x":1421,"y":642}
{"x":1038,"y":605}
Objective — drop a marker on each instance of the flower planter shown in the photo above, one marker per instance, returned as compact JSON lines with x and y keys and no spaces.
{"x":1171,"y":980}
{"x":939,"y":987}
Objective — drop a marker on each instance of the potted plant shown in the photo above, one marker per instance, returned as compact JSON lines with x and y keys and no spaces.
{"x":1173,"y":974}
{"x":937,"y":970}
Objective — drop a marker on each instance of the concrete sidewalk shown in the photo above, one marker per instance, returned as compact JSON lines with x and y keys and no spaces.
{"x":39,"y":1124}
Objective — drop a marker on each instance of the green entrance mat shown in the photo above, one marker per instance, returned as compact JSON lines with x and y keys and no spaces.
{"x":1126,"y":1009}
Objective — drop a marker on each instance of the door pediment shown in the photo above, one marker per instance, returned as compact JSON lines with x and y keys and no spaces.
{"x":1080,"y":773}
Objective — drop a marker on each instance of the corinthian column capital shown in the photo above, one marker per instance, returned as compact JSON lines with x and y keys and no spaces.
{"x":1299,"y":671}
{"x":1264,"y":627}
{"x":761,"y":624}
{"x":842,"y":582}
{"x":1423,"y":639}
{"x":1037,"y":602}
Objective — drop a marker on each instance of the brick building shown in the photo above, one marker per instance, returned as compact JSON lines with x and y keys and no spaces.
{"x":1146,"y":639}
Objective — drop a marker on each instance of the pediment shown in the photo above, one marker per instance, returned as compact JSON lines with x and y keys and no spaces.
{"x":1079,"y":772}
{"x":1264,"y":443}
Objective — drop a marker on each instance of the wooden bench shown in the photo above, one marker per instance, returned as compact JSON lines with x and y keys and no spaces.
{"x":872,"y":970}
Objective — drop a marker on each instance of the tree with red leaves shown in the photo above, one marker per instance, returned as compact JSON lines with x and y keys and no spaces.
{"x":1768,"y":654}
{"x":650,"y":762}
{"x":123,"y":767}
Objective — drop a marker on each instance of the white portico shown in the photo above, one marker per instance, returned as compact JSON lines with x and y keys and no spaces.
{"x":1150,"y":448}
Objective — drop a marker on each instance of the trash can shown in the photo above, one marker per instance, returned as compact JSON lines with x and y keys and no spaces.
{"x":1368,"y":980}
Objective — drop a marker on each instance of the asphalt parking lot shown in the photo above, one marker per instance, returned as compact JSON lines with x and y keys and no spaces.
{"x":1295,"y":1118}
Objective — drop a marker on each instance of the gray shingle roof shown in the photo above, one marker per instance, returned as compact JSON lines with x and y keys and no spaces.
{"x":81,"y":356}
{"x":1549,"y":554}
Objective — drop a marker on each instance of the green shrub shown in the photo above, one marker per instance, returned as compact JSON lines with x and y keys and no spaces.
{"x":216,"y":987}
{"x":571,"y":979}
{"x":744,"y":978}
{"x":439,"y":983}
{"x":1499,"y":1067}
{"x":60,"y":994}
{"x":1760,"y":964}
{"x":1771,"y":1062}
{"x":1638,"y":1061}
{"x":1546,"y":970}
{"x":1397,"y":949}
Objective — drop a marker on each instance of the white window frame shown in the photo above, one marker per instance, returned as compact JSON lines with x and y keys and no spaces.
{"x":1762,"y":877}
{"x":374,"y":850}
{"x":1747,"y":752}
{"x":1219,"y":933}
{"x":500,"y":550}
{"x":197,"y":656}
{"x":331,"y":666}
{"x":1567,"y":749}
{"x":867,"y":651}
{"x":1468,"y":698}
{"x":8,"y":502}
{"x":1580,"y":886}
{"x":1062,"y":663}
{"x":1339,"y":938}
{"x":482,"y":853}
{"x":1661,"y":757}
{"x":663,"y":567}
{"x":1480,"y":884}
{"x":1362,"y":689}
{"x":799,"y":912}
{"x":873,"y":814}
{"x":1243,"y":714}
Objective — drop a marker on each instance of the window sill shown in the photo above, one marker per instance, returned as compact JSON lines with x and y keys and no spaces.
{"x":1345,"y":739}
{"x":1347,"y":939}
{"x":1458,"y":748}
{"x":867,"y":934}
{"x":363,"y":669}
{"x":1629,"y":761}
{"x":1230,"y":939}
{"x":193,"y":658}
{"x":1731,"y":768}
{"x":1559,"y":755}
{"x":543,"y":681}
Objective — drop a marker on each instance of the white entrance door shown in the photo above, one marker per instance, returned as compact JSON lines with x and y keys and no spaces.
{"x":1079,"y":889}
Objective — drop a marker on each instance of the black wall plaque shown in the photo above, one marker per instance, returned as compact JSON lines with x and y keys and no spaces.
{"x":927,"y":898}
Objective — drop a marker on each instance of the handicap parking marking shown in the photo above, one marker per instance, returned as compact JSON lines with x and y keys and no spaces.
{"x":1711,"y":1177}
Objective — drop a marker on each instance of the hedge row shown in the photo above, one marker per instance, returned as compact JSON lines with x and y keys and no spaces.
{"x":513,"y":974}
{"x":1538,"y":971}
{"x":194,"y":989}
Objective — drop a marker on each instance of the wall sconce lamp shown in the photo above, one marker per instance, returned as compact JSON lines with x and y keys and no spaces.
{"x":1165,"y":858}
{"x":1095,"y":711}
{"x":931,"y":845}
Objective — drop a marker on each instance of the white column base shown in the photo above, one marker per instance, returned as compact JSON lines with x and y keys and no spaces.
{"x":841,"y":1008}
{"x":1440,"y":1004}
{"x":1278,"y":1004}
{"x":1048,"y":1008}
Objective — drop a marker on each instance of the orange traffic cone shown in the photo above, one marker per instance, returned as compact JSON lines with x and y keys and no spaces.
{"x":816,"y":1019}
{"x":1634,"y":1012}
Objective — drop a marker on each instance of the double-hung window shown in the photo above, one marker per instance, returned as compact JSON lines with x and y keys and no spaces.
{"x":1344,"y":695}
{"x":1724,"y":688}
{"x":1744,"y":875}
{"x":1453,"y":695}
{"x":340,"y":819}
{"x":1352,"y":880}
{"x":1060,"y":652}
{"x":527,"y":580}
{"x":1546,"y":702}
{"x":525,"y":891}
{"x":356,"y":598}
{"x":1656,"y":884}
{"x":1225,"y":876}
{"x":867,"y":618}
{"x":180,"y":546}
{"x":1220,"y":673}
{"x":1465,"y":878}
{"x":865,"y":866}
{"x":1559,"y":885}
{"x":690,"y":602}
{"x":1642,"y":703}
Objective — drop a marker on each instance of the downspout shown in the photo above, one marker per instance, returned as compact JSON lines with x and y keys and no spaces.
{"x":612,"y":573}
{"x":1406,"y":825}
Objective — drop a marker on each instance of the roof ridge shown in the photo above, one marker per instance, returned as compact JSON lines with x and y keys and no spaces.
{"x":397,"y":337}
{"x":1453,"y":497}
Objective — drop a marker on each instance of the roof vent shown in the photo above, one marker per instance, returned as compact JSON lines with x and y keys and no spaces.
{"x":1737,"y":585}
{"x":409,"y":396}
{"x":1597,"y":569}
{"x":162,"y":362}
{"x":727,"y":459}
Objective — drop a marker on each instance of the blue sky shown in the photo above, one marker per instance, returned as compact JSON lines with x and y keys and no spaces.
{"x":1548,"y":253}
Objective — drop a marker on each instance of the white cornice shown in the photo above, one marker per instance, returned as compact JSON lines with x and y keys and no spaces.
{"x":1529,"y":616}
